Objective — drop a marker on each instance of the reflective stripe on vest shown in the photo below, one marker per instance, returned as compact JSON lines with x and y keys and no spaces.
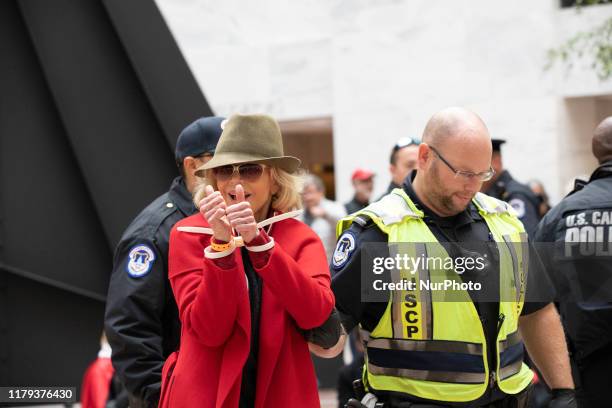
{"x":441,"y":360}
{"x":511,"y":352}
{"x":432,"y":360}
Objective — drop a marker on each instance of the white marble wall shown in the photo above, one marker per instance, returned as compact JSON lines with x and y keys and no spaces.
{"x":382,"y":68}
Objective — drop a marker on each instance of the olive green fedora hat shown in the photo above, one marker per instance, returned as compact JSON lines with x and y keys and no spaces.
{"x":251,"y":138}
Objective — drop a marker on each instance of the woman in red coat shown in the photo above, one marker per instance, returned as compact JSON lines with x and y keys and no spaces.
{"x":247,"y":278}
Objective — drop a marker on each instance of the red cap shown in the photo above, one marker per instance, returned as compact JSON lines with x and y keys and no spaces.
{"x":362,"y":174}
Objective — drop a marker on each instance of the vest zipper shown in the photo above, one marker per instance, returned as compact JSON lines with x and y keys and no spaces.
{"x":500,"y":321}
{"x":492,"y":376}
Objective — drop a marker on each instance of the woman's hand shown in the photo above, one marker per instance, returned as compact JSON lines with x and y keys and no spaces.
{"x":241,"y":217}
{"x":213,"y":208}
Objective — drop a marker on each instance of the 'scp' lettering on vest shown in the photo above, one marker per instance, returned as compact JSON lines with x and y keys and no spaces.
{"x":411,"y":316}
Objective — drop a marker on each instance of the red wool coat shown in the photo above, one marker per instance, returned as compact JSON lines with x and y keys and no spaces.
{"x":215,"y":314}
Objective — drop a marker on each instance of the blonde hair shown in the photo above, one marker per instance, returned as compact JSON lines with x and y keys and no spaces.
{"x":287,"y":198}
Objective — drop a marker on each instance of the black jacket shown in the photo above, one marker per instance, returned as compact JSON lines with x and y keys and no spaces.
{"x":581,"y":259}
{"x":141,"y":320}
{"x":520,"y":197}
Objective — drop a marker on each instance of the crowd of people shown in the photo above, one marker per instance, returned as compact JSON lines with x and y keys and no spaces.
{"x":224,"y":286}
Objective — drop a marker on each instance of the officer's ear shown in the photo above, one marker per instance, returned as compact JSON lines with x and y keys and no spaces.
{"x":189,"y":164}
{"x":424,"y":155}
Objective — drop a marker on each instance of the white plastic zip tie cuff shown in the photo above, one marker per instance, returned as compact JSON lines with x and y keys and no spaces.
{"x":210,"y":254}
{"x":272,"y":220}
{"x":262,"y":248}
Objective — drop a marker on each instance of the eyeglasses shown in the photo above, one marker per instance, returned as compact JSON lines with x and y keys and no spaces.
{"x":467,"y":175}
{"x":247,"y":171}
{"x":403,"y":142}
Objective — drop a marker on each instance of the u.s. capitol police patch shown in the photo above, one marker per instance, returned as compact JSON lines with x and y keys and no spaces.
{"x":344,"y":249}
{"x":519,"y":206}
{"x":141,"y":258}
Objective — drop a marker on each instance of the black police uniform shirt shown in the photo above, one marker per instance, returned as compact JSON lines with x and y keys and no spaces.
{"x":520,"y":197}
{"x":583,"y":270}
{"x":467,"y":226}
{"x":141,"y":321}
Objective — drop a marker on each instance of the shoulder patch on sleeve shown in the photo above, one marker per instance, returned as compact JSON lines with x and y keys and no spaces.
{"x":346,"y":245}
{"x":519,"y":206}
{"x":140,"y":261}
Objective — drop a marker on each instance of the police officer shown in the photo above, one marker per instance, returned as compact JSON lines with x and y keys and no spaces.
{"x":581,"y":228}
{"x":518,"y":195}
{"x":423,"y":351}
{"x":403,"y":160}
{"x":141,"y":321}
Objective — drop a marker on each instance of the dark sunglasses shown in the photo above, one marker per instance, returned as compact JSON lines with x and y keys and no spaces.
{"x":406,"y":141}
{"x":247,"y":171}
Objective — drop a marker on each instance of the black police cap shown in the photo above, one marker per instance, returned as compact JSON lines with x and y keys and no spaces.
{"x":200,"y":137}
{"x":497,"y":144}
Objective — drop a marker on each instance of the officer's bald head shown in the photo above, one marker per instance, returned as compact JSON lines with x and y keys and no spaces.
{"x":455,"y":152}
{"x":602,"y":141}
{"x":457,"y":125}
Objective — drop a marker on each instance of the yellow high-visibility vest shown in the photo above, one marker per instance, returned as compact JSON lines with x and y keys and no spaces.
{"x":436,"y":349}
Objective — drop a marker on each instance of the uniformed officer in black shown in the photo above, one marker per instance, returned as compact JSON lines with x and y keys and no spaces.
{"x":402,"y":160}
{"x":457,"y":220}
{"x":581,"y":228}
{"x":518,"y":195}
{"x":141,"y":321}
